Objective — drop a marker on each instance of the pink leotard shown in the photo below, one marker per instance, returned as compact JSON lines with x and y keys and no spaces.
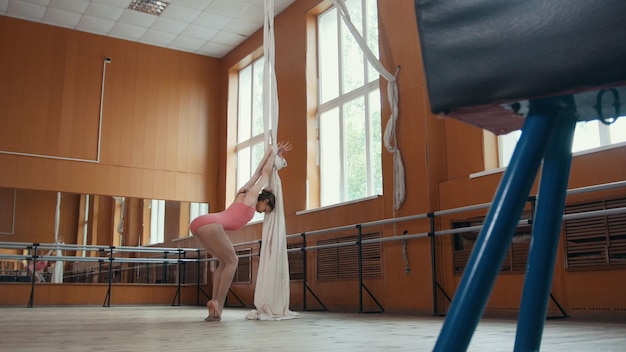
{"x":41,"y":264}
{"x":233,"y":218}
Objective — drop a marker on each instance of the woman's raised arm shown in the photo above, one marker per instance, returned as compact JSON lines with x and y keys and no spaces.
{"x":257,"y":173}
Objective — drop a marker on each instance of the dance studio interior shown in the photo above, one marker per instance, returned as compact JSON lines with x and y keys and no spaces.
{"x":469,"y":194}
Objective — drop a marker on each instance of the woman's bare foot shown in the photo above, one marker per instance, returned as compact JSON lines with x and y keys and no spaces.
{"x":214,"y":311}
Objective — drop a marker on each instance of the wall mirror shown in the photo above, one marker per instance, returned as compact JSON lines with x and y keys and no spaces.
{"x":86,"y":227}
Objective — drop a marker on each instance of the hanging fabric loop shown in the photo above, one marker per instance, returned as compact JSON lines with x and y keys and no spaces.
{"x":272,"y":295}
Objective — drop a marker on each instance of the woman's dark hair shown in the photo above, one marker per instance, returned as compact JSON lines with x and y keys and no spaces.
{"x":269,"y":196}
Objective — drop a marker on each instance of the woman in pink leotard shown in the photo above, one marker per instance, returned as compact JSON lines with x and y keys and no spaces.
{"x":209,"y":229}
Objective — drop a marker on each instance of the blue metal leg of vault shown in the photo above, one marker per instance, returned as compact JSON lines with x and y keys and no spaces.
{"x":494,"y":239}
{"x":545,"y":234}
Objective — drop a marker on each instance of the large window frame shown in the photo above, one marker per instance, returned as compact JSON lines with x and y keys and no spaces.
{"x":348,"y":121}
{"x":250,"y":146}
{"x":157,"y":221}
{"x":589,"y":136}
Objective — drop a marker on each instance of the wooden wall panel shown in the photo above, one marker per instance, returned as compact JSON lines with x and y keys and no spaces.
{"x":135,"y":182}
{"x":94,"y":294}
{"x":35,"y":217}
{"x":170,"y":78}
{"x":53,"y":108}
{"x":168,"y":187}
{"x":70,"y":88}
{"x":137,"y":126}
{"x":150,"y":127}
{"x":124,"y":187}
{"x":182,"y":113}
{"x":7,"y":205}
{"x":464,"y":149}
{"x":159,"y":184}
{"x":15,"y":294}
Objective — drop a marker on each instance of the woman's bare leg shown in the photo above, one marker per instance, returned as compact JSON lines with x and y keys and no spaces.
{"x":214,"y":283}
{"x":216,"y":242}
{"x":211,"y":305}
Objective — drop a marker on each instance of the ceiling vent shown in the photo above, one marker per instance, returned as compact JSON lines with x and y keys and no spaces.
{"x":153,"y":7}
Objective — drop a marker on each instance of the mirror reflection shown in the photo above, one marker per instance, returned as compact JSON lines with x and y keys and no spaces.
{"x":87,"y":227}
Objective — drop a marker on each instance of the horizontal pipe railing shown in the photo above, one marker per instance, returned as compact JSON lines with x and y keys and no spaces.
{"x":247,"y":243}
{"x":597,"y":188}
{"x":48,"y":246}
{"x":586,"y":189}
{"x":431,"y":216}
{"x":296,"y":249}
{"x":108,"y":250}
{"x":521,"y":223}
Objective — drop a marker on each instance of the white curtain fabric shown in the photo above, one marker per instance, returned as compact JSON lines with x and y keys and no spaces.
{"x":272,"y":295}
{"x":57,"y":276}
{"x":392,"y":96}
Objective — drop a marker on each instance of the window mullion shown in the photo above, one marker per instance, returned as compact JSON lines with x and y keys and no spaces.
{"x":364,"y":35}
{"x":368,"y":145}
{"x":340,"y":53}
{"x":250,"y":142}
{"x":342,"y":156}
{"x":252,"y":91}
{"x":340,"y":100}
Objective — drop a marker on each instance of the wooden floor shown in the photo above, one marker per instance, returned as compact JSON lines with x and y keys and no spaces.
{"x":150,"y":328}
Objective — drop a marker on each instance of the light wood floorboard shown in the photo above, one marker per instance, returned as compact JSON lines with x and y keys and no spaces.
{"x":159,"y":328}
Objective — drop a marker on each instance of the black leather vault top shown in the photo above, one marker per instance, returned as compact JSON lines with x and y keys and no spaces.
{"x":483,"y":52}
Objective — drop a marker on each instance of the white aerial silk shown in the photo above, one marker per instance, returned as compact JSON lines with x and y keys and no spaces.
{"x":272,"y":295}
{"x":57,"y":276}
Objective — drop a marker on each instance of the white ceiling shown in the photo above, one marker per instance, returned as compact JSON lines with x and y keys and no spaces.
{"x":206,"y":27}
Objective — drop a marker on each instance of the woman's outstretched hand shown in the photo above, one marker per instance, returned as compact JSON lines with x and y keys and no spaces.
{"x":283,"y":147}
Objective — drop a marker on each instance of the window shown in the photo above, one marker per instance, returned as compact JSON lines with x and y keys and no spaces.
{"x":597,"y":242}
{"x":161,"y":221}
{"x":349,"y":122}
{"x":593,"y":134}
{"x":157,"y":221}
{"x":588,"y":135}
{"x":506,"y":146}
{"x":250,"y":130}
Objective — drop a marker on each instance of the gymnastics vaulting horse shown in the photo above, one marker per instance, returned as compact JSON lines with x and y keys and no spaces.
{"x":481,"y":54}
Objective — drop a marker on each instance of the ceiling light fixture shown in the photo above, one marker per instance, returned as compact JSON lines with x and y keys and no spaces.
{"x":153,"y":7}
